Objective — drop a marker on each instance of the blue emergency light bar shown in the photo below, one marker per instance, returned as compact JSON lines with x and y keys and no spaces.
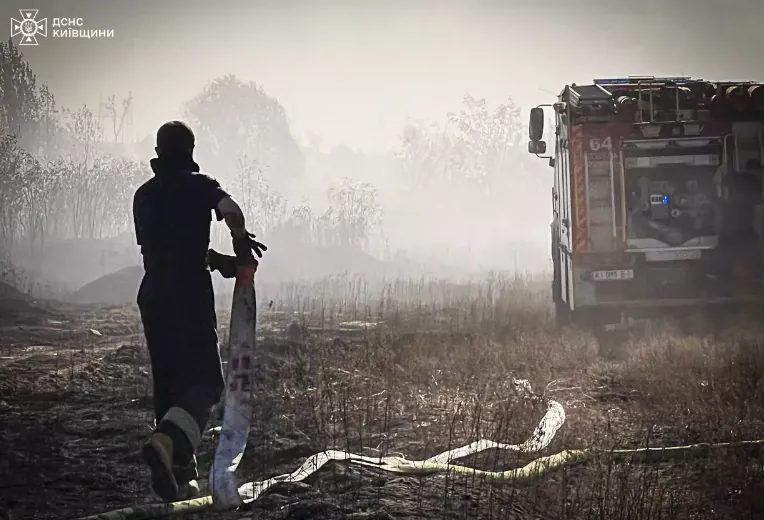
{"x":634,"y":79}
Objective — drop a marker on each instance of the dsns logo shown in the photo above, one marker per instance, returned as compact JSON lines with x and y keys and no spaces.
{"x":29,"y":27}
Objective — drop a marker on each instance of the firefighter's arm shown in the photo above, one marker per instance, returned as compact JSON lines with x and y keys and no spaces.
{"x":233,"y":215}
{"x":244,"y":242}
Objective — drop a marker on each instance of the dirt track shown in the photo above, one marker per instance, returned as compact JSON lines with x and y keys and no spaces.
{"x":75,"y":408}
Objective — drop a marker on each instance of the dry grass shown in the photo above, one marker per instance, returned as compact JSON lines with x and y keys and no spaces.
{"x":432,"y":370}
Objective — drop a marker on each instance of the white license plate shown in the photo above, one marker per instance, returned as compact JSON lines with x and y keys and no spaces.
{"x":614,"y":274}
{"x":668,"y":256}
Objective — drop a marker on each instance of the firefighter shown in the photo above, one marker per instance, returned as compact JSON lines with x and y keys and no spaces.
{"x":172,"y":213}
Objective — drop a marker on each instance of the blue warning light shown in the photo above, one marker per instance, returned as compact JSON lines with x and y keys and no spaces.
{"x":632,"y":80}
{"x":665,"y":199}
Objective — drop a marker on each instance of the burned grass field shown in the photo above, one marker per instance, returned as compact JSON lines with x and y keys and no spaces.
{"x":409,"y":369}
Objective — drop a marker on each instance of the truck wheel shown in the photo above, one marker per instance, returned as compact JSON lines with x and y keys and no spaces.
{"x":583,"y":318}
{"x":609,"y":341}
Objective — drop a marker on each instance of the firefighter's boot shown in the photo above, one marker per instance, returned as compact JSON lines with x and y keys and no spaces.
{"x":185,"y":476}
{"x":188,"y":491}
{"x":158,"y":453}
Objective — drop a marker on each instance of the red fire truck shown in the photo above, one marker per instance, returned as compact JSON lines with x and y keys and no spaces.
{"x":657,"y":195}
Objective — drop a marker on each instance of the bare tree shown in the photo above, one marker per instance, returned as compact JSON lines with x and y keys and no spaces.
{"x":118,"y":116}
{"x":488,"y":141}
{"x":478,"y":145}
{"x":19,"y":96}
{"x":15,"y":180}
{"x":355,"y":211}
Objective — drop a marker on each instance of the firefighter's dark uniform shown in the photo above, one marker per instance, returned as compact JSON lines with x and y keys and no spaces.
{"x":172,"y":213}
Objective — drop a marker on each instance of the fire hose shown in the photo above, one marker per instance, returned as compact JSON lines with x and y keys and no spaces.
{"x":542,"y":437}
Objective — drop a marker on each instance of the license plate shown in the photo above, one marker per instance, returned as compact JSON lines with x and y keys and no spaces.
{"x":614,"y":274}
{"x":668,"y":256}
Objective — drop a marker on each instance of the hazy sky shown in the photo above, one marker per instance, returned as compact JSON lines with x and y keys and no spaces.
{"x":353,"y":71}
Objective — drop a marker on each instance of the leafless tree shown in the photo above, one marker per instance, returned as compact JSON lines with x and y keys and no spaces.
{"x":355,"y":211}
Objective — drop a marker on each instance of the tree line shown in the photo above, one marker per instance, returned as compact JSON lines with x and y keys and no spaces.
{"x":65,"y":174}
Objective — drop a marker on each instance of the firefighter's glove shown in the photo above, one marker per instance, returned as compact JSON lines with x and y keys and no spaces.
{"x":244,"y":246}
{"x":225,"y":264}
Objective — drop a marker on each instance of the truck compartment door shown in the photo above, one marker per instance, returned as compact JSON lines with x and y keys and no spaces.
{"x":598,"y":163}
{"x":596,"y":190}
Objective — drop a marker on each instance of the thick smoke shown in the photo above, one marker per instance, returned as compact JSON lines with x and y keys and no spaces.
{"x":452,"y":198}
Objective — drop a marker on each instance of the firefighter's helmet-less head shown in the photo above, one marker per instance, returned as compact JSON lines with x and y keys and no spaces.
{"x":175,"y":138}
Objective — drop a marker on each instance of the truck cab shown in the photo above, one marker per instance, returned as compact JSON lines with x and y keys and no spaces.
{"x":657,"y":197}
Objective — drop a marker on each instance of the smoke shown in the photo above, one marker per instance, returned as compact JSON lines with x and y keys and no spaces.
{"x":384,"y":139}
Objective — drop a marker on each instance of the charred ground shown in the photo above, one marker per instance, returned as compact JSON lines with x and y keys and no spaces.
{"x":432,"y":369}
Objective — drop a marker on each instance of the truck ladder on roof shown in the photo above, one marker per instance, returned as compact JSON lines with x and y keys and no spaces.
{"x":650,"y":84}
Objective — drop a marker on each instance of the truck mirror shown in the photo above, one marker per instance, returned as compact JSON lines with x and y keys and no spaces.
{"x":537,"y":147}
{"x":536,"y":124}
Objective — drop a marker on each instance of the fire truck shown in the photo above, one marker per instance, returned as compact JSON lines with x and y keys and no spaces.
{"x":657,"y":196}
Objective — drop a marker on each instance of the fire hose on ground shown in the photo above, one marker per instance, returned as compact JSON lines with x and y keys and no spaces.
{"x":542,"y":437}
